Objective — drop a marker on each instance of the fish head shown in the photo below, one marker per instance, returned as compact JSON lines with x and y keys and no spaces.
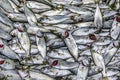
{"x":92,"y":37}
{"x":20,"y":27}
{"x":85,"y":62}
{"x":2,"y":61}
{"x":116,"y":44}
{"x":1,"y":44}
{"x":118,"y":18}
{"x":39,"y":34}
{"x":20,"y":30}
{"x":66,"y":34}
{"x":55,"y":63}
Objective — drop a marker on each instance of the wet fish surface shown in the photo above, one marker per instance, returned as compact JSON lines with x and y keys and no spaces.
{"x":59,"y":39}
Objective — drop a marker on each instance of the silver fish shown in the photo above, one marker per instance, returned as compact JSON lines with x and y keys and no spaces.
{"x":66,"y":2}
{"x":55,"y":19}
{"x":115,"y":28}
{"x":98,"y":20}
{"x":60,"y":64}
{"x":4,"y":19}
{"x":78,"y":10}
{"x":111,"y":51}
{"x":7,"y":63}
{"x":55,"y":72}
{"x":6,"y":5}
{"x":10,"y":74}
{"x":84,"y":31}
{"x":71,"y":44}
{"x":16,"y":47}
{"x":61,"y":53}
{"x":99,"y":61}
{"x":5,"y":50}
{"x":37,"y":5}
{"x":40,"y":41}
{"x":23,"y":39}
{"x":52,"y":42}
{"x":5,"y":27}
{"x":14,"y":6}
{"x":5,"y":35}
{"x":17,"y":17}
{"x":33,"y":30}
{"x":82,"y":70}
{"x":30,"y":16}
{"x":39,"y":76}
{"x":35,"y":60}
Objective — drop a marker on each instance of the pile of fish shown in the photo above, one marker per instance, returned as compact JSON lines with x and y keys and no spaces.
{"x":59,"y":39}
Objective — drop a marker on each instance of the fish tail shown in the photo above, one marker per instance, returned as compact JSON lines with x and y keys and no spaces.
{"x":105,"y":78}
{"x":96,"y":1}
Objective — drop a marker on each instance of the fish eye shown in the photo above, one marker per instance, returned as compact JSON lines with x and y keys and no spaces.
{"x":118,"y":18}
{"x":55,"y":63}
{"x":39,"y":36}
{"x":1,"y":62}
{"x":83,"y":63}
{"x":1,"y":45}
{"x":66,"y":34}
{"x":20,"y":30}
{"x":92,"y":37}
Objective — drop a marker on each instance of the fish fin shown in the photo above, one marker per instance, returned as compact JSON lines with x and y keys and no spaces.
{"x":105,"y":78}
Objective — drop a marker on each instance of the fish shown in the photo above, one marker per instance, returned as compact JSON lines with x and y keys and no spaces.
{"x":17,"y":17}
{"x":34,"y":60}
{"x":33,"y":30}
{"x":71,"y":44}
{"x":55,"y":72}
{"x":16,"y":47}
{"x":4,"y":19}
{"x":30,"y":16}
{"x":60,"y":64}
{"x":16,"y":2}
{"x":23,"y":73}
{"x":111,"y":51}
{"x":5,"y":35}
{"x":84,"y":24}
{"x":61,"y":53}
{"x":55,"y":19}
{"x":14,"y":6}
{"x":7,"y":51}
{"x":54,"y":12}
{"x":41,"y":44}
{"x":5,"y":27}
{"x":7,"y":63}
{"x":22,"y":38}
{"x":37,"y":75}
{"x":6,"y":5}
{"x":83,"y":31}
{"x":114,"y":32}
{"x":37,"y":5}
{"x":95,"y":70}
{"x":98,"y":18}
{"x":99,"y":61}
{"x":78,"y":10}
{"x":87,"y":39}
{"x":47,"y":2}
{"x":10,"y":74}
{"x":82,"y":69}
{"x":54,"y":43}
{"x":66,"y":2}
